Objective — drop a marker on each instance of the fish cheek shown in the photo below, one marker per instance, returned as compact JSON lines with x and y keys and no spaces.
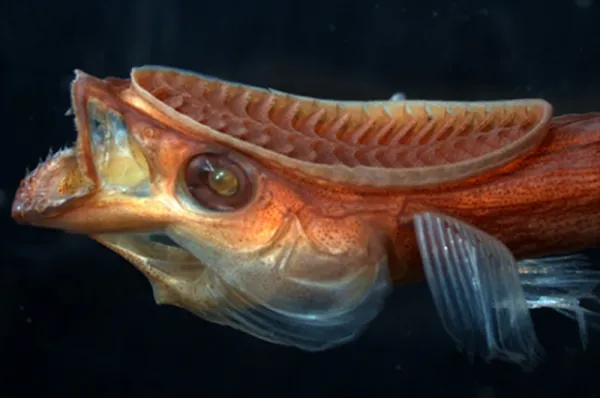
{"x":349,"y":244}
{"x":225,"y":240}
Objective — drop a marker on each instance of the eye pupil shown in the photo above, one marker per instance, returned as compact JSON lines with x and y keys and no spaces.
{"x":223,"y":182}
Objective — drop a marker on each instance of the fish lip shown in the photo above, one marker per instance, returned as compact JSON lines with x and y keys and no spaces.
{"x":55,"y":185}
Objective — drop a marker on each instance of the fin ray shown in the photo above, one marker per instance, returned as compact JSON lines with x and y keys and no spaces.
{"x":562,"y":283}
{"x":307,"y":326}
{"x":476,"y":276}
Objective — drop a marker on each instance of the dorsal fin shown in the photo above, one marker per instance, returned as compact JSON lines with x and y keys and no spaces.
{"x":373,"y":143}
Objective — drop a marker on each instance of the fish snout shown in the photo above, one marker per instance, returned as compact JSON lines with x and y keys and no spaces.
{"x":59,"y":194}
{"x":50,"y":189}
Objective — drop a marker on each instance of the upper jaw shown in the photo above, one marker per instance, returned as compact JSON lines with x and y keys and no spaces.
{"x":64,"y":179}
{"x":83,"y":189}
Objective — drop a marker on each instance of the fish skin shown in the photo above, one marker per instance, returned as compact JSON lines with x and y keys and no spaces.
{"x":325,"y":235}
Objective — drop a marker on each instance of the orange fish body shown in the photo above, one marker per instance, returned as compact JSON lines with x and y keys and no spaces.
{"x":545,"y":202}
{"x":289,"y":217}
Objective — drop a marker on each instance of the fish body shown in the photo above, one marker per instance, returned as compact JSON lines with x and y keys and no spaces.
{"x":291,"y":218}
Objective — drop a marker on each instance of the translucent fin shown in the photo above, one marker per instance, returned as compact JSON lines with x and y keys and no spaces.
{"x":475,"y":284}
{"x":317,"y":322}
{"x":312,"y":326}
{"x":563,"y":283}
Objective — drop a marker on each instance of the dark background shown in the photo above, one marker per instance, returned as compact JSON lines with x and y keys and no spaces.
{"x":78,"y":321}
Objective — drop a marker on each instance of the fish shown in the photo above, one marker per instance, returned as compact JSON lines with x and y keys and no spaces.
{"x":292,"y":218}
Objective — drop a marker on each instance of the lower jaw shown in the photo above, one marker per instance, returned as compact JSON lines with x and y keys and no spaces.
{"x":154,"y":247}
{"x":54,"y":185}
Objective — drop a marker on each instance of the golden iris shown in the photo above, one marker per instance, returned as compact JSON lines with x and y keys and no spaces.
{"x":223,"y":181}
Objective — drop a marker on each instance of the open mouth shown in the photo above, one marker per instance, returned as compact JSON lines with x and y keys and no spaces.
{"x":105,"y":159}
{"x":101,"y":187}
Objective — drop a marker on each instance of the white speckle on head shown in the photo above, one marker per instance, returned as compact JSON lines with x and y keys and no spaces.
{"x":398,"y":97}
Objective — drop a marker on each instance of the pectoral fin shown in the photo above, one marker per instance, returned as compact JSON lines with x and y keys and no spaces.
{"x":475,"y":284}
{"x":311,"y":323}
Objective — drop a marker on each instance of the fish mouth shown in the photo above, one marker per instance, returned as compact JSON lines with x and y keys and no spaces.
{"x":102,"y":183}
{"x":51,"y":195}
{"x":101,"y":187}
{"x":64,"y":179}
{"x":58,"y":194}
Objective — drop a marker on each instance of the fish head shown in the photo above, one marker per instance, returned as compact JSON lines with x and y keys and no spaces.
{"x":176,"y":204}
{"x":128,"y":173}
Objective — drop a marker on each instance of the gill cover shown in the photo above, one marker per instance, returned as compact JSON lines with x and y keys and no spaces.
{"x":291,"y":292}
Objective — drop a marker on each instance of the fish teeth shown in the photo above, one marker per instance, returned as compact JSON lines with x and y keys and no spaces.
{"x":50,"y":152}
{"x":51,"y":155}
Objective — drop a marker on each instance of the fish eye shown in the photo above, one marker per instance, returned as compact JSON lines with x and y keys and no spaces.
{"x":216,"y":182}
{"x":223,"y":181}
